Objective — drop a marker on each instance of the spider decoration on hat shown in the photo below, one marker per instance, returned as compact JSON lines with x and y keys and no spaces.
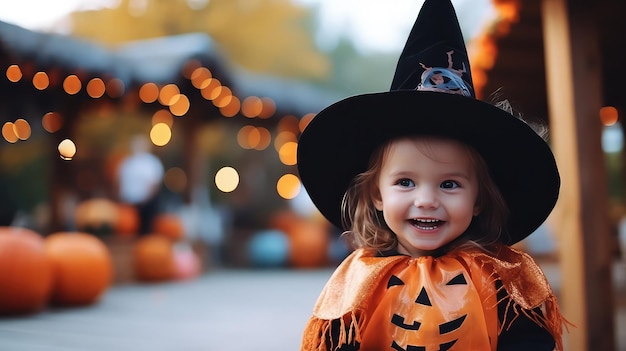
{"x":446,"y":80}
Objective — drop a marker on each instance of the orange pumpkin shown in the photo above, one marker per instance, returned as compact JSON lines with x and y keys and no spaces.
{"x":153,"y":258}
{"x":308,"y":244}
{"x":284,"y":220}
{"x":25,"y":272}
{"x":96,"y":216}
{"x":82,"y":265}
{"x":128,"y":221}
{"x":169,"y":225}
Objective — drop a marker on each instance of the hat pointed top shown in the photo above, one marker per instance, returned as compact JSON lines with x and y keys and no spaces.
{"x":434,"y":56}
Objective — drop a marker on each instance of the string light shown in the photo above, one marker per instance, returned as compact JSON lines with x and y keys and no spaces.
{"x":67,"y":149}
{"x":178,"y":104}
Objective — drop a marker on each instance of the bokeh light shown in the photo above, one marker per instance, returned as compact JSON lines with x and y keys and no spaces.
{"x":609,"y":115}
{"x":160,"y":134}
{"x":163,"y":116}
{"x":612,"y":138}
{"x":200,"y":77}
{"x":22,"y":129}
{"x":115,"y":88}
{"x":232,"y":108}
{"x":224,"y":98}
{"x":282,"y":138}
{"x":96,"y":88}
{"x":289,"y":123}
{"x":265,"y":138}
{"x":14,"y":73}
{"x":168,"y":93}
{"x":211,"y":89}
{"x":8,"y":132}
{"x":305,"y":120}
{"x":149,"y":93}
{"x":52,"y":122}
{"x":190,"y":66}
{"x":41,"y":80}
{"x":288,"y":186}
{"x":72,"y":84}
{"x":288,"y":153}
{"x":67,"y":149}
{"x":175,"y":180}
{"x":269,"y":108}
{"x":179,"y":105}
{"x":248,"y":137}
{"x":227,"y":179}
{"x":251,"y":106}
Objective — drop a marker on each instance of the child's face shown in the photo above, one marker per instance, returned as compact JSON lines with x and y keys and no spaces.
{"x":427,"y":191}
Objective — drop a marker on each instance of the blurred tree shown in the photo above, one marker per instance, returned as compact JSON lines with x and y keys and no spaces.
{"x":24,"y":178}
{"x":357,"y":73}
{"x":271,"y":36}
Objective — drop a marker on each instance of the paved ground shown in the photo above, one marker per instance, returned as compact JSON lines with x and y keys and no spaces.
{"x":223,"y":310}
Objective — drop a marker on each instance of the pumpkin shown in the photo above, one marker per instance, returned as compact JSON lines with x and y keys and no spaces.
{"x":96,"y":216}
{"x":128,"y":221}
{"x":153,"y":258}
{"x":187,"y":264}
{"x":25,"y":273}
{"x":82,"y":266}
{"x":169,"y":225}
{"x":284,"y":220}
{"x":308,"y":244}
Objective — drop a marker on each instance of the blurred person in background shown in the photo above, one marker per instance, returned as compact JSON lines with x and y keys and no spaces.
{"x":140,"y":179}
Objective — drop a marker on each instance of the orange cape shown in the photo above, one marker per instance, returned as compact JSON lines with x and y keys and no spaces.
{"x":429,"y":303}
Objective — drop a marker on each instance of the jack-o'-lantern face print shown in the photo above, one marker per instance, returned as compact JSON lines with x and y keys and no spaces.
{"x":429,"y":306}
{"x":431,"y":318}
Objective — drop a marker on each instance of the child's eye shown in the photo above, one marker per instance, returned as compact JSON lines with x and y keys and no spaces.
{"x":449,"y":184}
{"x":405,"y":182}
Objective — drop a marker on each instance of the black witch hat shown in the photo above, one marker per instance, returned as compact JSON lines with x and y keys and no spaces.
{"x":431,"y":94}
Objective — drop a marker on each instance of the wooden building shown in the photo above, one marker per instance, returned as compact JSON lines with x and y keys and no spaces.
{"x":65,"y":88}
{"x":561,"y":62}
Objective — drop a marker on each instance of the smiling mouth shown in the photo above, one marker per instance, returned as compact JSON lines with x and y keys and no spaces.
{"x":426,"y":224}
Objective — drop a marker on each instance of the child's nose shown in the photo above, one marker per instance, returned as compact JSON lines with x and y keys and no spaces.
{"x":426,"y":198}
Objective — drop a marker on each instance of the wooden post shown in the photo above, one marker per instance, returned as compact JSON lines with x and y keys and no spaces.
{"x":581,"y":219}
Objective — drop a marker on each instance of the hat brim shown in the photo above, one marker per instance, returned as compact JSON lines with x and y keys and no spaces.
{"x":338,"y":142}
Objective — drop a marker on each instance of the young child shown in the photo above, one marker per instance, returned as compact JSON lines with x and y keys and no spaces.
{"x":433,"y":186}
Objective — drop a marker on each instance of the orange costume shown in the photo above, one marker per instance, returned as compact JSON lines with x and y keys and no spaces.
{"x":463,"y":300}
{"x":425,"y":303}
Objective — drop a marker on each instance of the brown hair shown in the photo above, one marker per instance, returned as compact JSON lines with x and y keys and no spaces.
{"x":366,"y":225}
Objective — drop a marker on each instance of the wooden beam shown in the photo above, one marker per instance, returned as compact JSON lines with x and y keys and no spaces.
{"x":581,"y":219}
